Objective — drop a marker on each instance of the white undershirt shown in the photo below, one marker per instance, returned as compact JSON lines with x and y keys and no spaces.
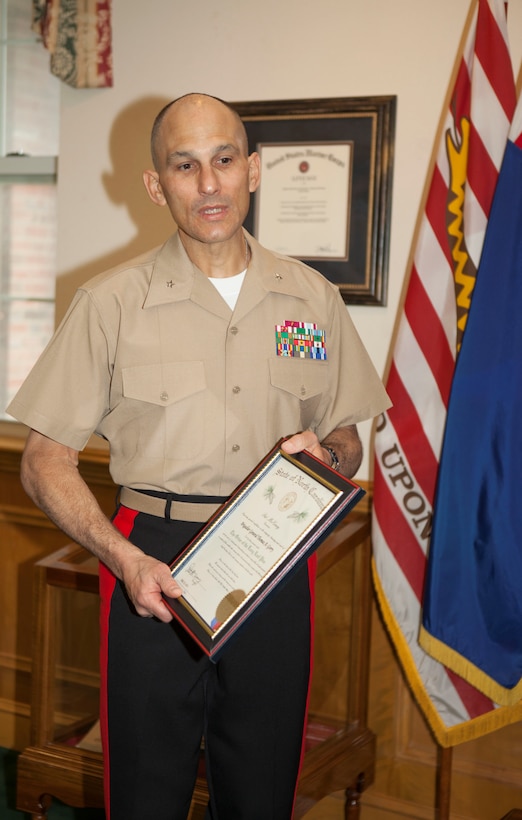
{"x":229,"y":287}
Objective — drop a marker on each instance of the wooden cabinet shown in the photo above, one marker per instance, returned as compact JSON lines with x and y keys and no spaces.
{"x":60,"y":762}
{"x":65,"y":686}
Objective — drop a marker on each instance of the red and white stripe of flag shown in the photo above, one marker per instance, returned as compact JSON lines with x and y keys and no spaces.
{"x":409,"y":436}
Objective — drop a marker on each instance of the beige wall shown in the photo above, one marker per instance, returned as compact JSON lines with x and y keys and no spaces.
{"x":277,"y":49}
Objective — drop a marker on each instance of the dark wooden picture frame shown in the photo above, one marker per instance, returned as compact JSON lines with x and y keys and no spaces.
{"x":368,"y":124}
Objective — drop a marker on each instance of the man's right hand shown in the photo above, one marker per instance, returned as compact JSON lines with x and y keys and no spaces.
{"x":145,"y":580}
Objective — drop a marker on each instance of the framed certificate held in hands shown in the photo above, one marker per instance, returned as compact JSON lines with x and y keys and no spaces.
{"x":270,"y":524}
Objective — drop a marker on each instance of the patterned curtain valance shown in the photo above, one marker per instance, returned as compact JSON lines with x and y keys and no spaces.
{"x":77,"y":34}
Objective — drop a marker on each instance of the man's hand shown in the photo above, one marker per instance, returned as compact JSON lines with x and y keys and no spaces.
{"x":344,"y":441}
{"x":307,"y":440}
{"x":145,"y":580}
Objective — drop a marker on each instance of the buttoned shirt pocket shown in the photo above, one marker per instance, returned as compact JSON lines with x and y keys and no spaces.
{"x":168,"y":406}
{"x":299,"y":386}
{"x":165,"y":383}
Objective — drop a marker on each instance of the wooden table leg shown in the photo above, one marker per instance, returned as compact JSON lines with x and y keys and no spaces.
{"x":353,"y":794}
{"x":43,"y":806}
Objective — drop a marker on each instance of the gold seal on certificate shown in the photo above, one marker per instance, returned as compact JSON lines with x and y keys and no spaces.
{"x":272,"y":522}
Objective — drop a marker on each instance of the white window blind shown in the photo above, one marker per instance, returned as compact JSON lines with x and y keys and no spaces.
{"x":29,"y":128}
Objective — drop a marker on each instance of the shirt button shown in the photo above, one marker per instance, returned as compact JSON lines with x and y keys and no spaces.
{"x":235,"y":448}
{"x":164,"y":396}
{"x":236,"y":389}
{"x":234,"y":330}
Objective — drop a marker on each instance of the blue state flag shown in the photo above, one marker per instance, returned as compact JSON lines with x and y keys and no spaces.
{"x":472,"y":606}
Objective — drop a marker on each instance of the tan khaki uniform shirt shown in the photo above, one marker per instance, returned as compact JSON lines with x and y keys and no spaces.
{"x":189,"y":394}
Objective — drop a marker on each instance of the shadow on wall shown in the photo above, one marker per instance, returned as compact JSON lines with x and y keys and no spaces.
{"x":130,"y":156}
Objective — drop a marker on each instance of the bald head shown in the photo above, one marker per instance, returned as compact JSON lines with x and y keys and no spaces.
{"x":205,"y":176}
{"x":192,"y":106}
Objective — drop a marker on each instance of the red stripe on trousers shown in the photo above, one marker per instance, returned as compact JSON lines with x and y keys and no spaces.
{"x":124,"y":522}
{"x":312,"y":572}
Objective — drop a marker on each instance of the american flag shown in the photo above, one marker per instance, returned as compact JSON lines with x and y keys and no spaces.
{"x":409,"y":437}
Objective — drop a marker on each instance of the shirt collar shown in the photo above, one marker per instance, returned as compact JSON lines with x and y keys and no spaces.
{"x":174,"y":278}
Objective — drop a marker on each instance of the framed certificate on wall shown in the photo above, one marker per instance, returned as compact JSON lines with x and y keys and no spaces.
{"x":326,"y":186}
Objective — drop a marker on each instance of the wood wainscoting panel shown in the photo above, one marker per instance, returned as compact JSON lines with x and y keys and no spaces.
{"x":27,"y":536}
{"x":486,"y":773}
{"x":329,"y":694}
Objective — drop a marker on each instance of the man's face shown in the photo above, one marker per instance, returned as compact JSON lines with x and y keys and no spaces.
{"x":204,"y":173}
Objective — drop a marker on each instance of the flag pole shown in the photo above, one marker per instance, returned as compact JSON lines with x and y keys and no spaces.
{"x":443,"y":792}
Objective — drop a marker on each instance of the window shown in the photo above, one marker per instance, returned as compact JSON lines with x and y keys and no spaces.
{"x":29,"y":123}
